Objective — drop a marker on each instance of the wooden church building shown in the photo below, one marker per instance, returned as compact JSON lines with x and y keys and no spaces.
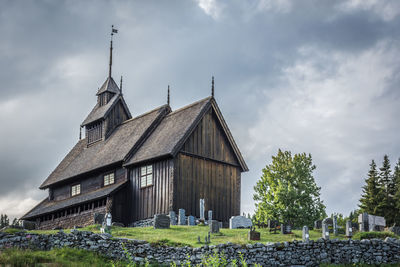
{"x":136,"y":167}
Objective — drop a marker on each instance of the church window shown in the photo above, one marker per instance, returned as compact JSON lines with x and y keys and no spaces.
{"x":75,"y":189}
{"x":146,"y":176}
{"x":108,"y":179}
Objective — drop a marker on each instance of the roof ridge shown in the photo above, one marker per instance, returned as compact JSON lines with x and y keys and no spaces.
{"x":189,"y":106}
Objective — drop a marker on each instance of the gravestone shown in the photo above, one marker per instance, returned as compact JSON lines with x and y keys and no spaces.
{"x":220,"y":225}
{"x":306,"y":234}
{"x":335,"y":226}
{"x":172,"y":217}
{"x":181,"y":217}
{"x":273,"y":226}
{"x":191,"y":221}
{"x":325,"y":230}
{"x":349,"y":229}
{"x":286,"y":229}
{"x":239,"y":222}
{"x":214,"y":226}
{"x":98,"y":218}
{"x":161,"y":221}
{"x":210,"y":215}
{"x":202,"y":209}
{"x":253,"y":234}
{"x":369,"y":222}
{"x":317,"y":224}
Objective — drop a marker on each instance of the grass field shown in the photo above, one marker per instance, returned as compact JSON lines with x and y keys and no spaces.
{"x":188,"y":235}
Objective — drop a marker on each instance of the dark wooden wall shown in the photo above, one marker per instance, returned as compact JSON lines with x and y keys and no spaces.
{"x":153,"y":199}
{"x":206,"y":167}
{"x":88,"y":183}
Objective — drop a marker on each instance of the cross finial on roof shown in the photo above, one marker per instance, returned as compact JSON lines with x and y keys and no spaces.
{"x":111,"y":48}
{"x":168,"y":97}
{"x":212,"y":87}
{"x":120,"y":85}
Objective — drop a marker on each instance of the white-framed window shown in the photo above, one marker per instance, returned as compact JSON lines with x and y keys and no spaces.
{"x":146,"y":176}
{"x":108,"y":179}
{"x":75,"y":189}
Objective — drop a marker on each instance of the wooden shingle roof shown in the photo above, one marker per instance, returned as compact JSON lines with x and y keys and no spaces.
{"x":124,"y":139}
{"x":47,"y":206}
{"x":109,"y":86}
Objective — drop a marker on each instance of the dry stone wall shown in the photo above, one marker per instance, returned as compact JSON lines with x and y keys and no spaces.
{"x":313,"y":253}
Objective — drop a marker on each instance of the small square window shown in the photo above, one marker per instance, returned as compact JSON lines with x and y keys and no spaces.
{"x":146,"y":176}
{"x":75,"y":189}
{"x":109,"y":179}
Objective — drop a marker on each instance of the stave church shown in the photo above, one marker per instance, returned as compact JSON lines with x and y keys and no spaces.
{"x":136,"y":166}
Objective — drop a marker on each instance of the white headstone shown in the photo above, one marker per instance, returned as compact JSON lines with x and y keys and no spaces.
{"x":201,"y":209}
{"x":239,"y":222}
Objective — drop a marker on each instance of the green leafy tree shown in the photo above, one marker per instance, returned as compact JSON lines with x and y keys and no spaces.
{"x":371,"y":192}
{"x":287,"y":191}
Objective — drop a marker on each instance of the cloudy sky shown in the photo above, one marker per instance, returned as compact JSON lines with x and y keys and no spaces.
{"x":320,"y":77}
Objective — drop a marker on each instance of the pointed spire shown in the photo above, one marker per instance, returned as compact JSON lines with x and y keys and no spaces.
{"x":212,"y":87}
{"x":111,"y":48}
{"x":168,"y":97}
{"x":120,"y":85}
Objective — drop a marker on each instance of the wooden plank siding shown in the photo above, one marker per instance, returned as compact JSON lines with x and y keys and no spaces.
{"x":206,"y":167}
{"x":153,"y":199}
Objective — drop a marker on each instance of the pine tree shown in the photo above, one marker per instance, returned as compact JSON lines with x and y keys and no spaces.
{"x":371,"y":193}
{"x":396,"y":178}
{"x":386,"y":184}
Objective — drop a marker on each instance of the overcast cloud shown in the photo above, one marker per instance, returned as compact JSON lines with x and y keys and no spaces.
{"x":320,"y":77}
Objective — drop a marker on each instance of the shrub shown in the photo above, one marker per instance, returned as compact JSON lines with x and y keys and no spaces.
{"x":371,"y":235}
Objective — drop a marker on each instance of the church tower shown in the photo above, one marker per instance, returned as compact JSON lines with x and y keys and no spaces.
{"x":110,"y":110}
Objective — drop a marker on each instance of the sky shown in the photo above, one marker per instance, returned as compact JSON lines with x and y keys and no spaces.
{"x":320,"y":77}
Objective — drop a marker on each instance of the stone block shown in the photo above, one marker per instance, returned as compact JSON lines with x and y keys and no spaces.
{"x":214,"y":226}
{"x":239,"y":222}
{"x":349,"y":229}
{"x":306,"y":234}
{"x":325,"y":230}
{"x":191,"y":221}
{"x":202,"y":209}
{"x":210,"y":213}
{"x":172,"y":217}
{"x":181,"y":217}
{"x":98,"y":218}
{"x":317,"y":224}
{"x":161,"y":221}
{"x":28,"y":225}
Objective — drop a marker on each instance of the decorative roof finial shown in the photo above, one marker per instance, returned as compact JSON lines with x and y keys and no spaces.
{"x":120,"y":85}
{"x":168,"y":100}
{"x":111,"y":48}
{"x":212,"y":87}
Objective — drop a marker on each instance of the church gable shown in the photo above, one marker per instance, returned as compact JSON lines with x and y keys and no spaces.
{"x":209,"y":140}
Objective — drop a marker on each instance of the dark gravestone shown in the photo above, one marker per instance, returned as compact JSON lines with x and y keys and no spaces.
{"x":28,"y":225}
{"x":318,"y":224}
{"x":286,"y":229}
{"x":214,"y":226}
{"x":253,"y":234}
{"x":273,"y":225}
{"x":161,"y":221}
{"x":98,"y":218}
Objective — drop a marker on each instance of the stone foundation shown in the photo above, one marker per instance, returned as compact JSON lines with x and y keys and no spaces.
{"x":82,"y":219}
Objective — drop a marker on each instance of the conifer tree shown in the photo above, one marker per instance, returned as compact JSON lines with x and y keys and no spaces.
{"x":371,"y":192}
{"x":396,"y":178}
{"x":387,"y":186}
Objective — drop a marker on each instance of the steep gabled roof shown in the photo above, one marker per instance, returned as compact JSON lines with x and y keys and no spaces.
{"x":109,"y":86}
{"x":100,"y":112}
{"x":123,"y":141}
{"x":170,"y":135}
{"x":47,"y":206}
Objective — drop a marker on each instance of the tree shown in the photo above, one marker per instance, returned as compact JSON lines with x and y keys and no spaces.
{"x":371,"y":193}
{"x":396,"y":198}
{"x":287,"y":191}
{"x":386,"y":205}
{"x":4,"y":221}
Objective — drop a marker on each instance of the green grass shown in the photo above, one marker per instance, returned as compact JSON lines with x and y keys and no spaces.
{"x":187,"y":235}
{"x":55,"y":257}
{"x":12,"y":230}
